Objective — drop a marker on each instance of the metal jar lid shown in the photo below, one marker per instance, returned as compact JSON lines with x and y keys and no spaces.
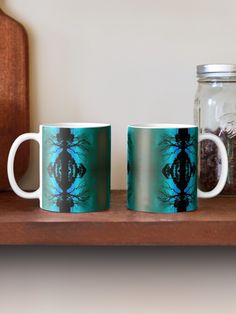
{"x":216,"y":70}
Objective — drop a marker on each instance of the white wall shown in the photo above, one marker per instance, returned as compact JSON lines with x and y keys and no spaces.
{"x":120,"y":61}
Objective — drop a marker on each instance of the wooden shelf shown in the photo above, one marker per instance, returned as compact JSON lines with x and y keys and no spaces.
{"x":23,"y":222}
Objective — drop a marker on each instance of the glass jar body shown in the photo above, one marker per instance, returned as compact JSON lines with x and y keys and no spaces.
{"x":215,"y":112}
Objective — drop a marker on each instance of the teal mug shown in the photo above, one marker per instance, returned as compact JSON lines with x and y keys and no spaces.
{"x":163,"y":167}
{"x":74,"y":167}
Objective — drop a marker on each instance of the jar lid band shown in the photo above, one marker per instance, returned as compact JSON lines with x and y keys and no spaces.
{"x":219,"y":70}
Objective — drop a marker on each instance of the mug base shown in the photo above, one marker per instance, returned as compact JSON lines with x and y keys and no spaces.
{"x":75,"y":211}
{"x":165,"y":211}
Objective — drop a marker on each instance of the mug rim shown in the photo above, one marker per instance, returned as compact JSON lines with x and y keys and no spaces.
{"x":74,"y":125}
{"x":161,"y":126}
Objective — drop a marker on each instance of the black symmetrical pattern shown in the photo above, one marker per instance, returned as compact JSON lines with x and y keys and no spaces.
{"x":66,"y":170}
{"x":179,"y":191}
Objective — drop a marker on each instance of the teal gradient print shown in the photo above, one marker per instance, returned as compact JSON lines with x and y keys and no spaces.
{"x":162,"y":169}
{"x":76,"y":169}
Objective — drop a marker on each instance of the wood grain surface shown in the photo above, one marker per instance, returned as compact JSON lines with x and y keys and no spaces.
{"x":23,"y":222}
{"x":14,"y":94}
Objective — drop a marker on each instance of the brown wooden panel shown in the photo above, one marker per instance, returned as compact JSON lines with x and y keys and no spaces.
{"x":14,"y":94}
{"x":23,"y":222}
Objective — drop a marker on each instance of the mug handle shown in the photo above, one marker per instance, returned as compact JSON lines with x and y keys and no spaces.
{"x":10,"y":165}
{"x":224,"y":163}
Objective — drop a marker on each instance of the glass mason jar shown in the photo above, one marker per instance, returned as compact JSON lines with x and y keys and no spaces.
{"x":215,"y":112}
